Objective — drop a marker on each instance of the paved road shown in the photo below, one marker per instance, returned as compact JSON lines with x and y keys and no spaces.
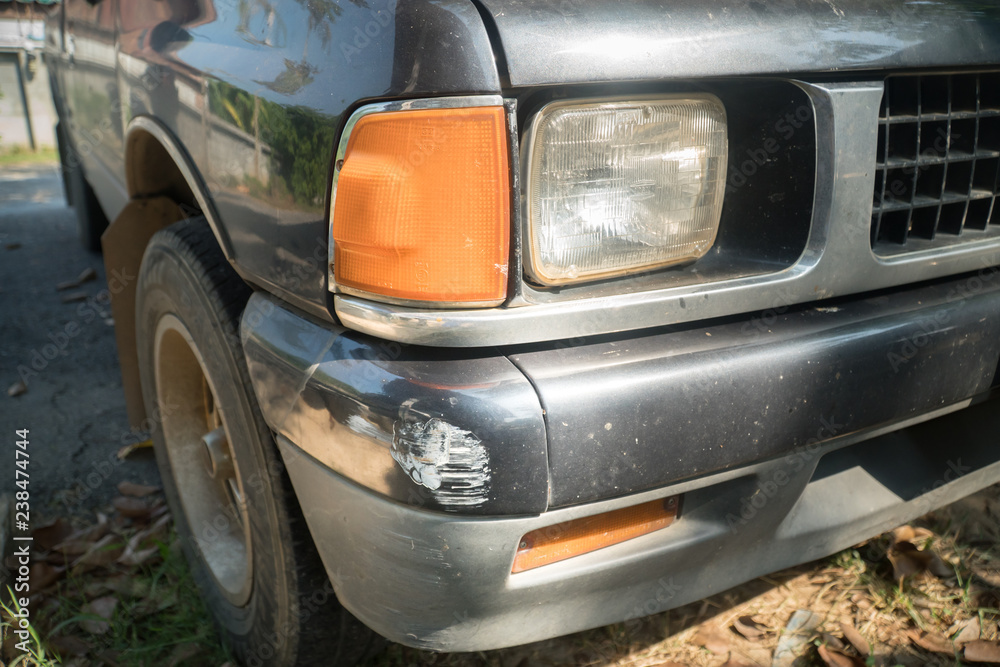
{"x":65,"y":352}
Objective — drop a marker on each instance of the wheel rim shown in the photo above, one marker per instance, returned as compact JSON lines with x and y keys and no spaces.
{"x":204,"y":467}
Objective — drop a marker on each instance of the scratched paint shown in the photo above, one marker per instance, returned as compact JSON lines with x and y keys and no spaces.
{"x":362,"y":426}
{"x":448,"y":460}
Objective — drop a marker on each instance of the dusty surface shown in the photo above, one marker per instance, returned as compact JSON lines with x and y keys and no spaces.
{"x":74,"y":408}
{"x":64,"y":352}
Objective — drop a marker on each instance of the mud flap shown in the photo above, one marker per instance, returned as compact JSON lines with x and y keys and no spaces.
{"x":124,"y":242}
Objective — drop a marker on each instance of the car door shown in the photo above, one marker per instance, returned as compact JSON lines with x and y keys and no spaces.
{"x":90,"y":97}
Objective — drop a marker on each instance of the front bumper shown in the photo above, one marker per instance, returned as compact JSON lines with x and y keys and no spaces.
{"x":420,"y":469}
{"x":443,"y":582}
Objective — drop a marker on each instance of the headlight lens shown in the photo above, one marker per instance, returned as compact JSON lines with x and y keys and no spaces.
{"x":618,"y":187}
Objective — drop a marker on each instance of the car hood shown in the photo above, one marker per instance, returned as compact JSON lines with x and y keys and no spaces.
{"x":576,"y":41}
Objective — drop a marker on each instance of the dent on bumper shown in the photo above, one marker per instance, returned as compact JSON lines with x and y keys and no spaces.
{"x":446,"y":431}
{"x":443,"y":582}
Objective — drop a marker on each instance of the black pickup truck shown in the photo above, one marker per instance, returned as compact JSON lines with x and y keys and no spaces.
{"x":502,"y":319}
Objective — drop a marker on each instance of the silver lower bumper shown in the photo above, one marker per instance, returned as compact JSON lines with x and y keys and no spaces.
{"x":441,"y":581}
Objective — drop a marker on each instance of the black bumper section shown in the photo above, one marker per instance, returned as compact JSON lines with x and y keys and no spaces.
{"x":638,"y":413}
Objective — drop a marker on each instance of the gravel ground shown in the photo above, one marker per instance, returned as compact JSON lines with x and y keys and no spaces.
{"x":64,"y":353}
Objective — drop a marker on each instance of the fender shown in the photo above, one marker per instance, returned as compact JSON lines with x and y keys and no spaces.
{"x":184,"y":163}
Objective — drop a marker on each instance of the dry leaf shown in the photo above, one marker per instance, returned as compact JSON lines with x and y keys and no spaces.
{"x":74,"y":297}
{"x":153,"y":605}
{"x":73,"y":547}
{"x":906,"y":560}
{"x":54,"y":558}
{"x":136,"y":490}
{"x":968,"y":631}
{"x":48,"y":536}
{"x":133,"y":508}
{"x":182,"y":653}
{"x":856,"y":639}
{"x":103,"y":552}
{"x":796,"y":634}
{"x":833,"y":658}
{"x":17,"y":388}
{"x":8,"y":651}
{"x":931,"y":642}
{"x":68,"y":645}
{"x":95,"y":532}
{"x":104,"y":608}
{"x":128,"y":450}
{"x":749,"y":628}
{"x":95,"y":589}
{"x":157,"y":532}
{"x":44,"y":575}
{"x":136,"y":558}
{"x":109,"y":657}
{"x":903,"y":534}
{"x":711,"y":639}
{"x":126,"y":585}
{"x":983,"y":651}
{"x":142,"y":547}
{"x":938,"y":567}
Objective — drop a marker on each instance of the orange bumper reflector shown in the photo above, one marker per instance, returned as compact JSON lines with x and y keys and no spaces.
{"x":422,"y":206}
{"x":579,"y":536}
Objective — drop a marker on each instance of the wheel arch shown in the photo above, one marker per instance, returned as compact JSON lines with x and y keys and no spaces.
{"x":156,"y":164}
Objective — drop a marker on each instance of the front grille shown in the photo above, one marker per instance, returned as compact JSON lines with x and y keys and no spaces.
{"x":938,"y":161}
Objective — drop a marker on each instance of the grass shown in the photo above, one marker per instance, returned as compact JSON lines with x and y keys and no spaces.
{"x":159,"y":619}
{"x":18,"y":155}
{"x":158,"y":616}
{"x":36,"y":655}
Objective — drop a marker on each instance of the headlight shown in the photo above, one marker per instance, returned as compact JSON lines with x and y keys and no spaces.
{"x":620,"y":186}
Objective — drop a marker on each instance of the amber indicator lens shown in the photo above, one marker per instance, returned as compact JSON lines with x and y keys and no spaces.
{"x":579,"y":536}
{"x":422,"y":206}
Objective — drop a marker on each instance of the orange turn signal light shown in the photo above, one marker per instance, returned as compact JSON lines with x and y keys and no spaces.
{"x":422,"y":206}
{"x":579,"y":536}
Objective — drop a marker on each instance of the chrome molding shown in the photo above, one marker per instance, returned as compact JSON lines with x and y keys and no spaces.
{"x":462,"y":102}
{"x":837,"y":261}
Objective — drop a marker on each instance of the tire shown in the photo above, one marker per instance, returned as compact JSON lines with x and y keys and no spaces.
{"x":90,"y":219}
{"x":232,"y":501}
